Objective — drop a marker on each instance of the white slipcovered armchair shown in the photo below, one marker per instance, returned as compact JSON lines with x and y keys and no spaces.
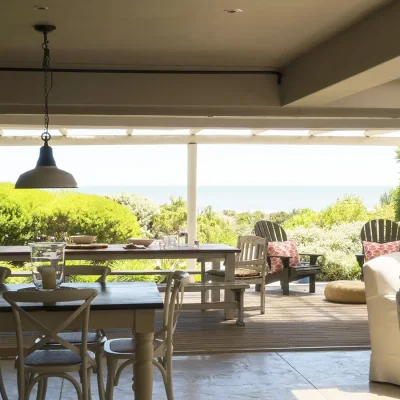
{"x":382,"y":282}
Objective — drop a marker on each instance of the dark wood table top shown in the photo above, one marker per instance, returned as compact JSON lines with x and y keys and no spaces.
{"x":111,"y":296}
{"x":17,"y":253}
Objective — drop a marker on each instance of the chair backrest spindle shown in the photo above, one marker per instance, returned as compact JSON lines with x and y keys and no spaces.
{"x":87,"y":270}
{"x":270,"y":230}
{"x":380,"y":231}
{"x":4,"y":274}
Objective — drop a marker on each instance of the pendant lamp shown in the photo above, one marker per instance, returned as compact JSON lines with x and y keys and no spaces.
{"x":46,"y":175}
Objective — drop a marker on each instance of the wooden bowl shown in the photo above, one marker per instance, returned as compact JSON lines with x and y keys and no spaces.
{"x":83,"y":239}
{"x":142,"y":242}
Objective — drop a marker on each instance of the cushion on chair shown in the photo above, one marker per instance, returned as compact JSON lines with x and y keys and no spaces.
{"x":76,"y":337}
{"x":352,"y":292}
{"x":54,"y":357}
{"x":287,"y":249}
{"x":239,"y":272}
{"x":373,"y":250}
{"x":126,"y":345}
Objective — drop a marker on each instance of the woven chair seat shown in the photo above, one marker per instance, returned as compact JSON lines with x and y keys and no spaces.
{"x":239,"y":273}
{"x":76,"y":337}
{"x":127,"y":345}
{"x":54,"y":357}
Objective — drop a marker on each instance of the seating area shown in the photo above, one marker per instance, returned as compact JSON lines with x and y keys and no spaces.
{"x":242,"y":305}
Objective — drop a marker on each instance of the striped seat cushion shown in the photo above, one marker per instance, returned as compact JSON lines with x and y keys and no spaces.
{"x":239,"y":272}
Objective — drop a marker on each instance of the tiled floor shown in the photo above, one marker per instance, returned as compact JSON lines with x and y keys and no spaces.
{"x":269,"y":376}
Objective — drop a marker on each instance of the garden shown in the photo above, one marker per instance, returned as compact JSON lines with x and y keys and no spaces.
{"x":35,"y":215}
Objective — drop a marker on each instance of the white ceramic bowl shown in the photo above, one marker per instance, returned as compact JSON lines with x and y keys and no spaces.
{"x":142,"y":242}
{"x":82,"y":239}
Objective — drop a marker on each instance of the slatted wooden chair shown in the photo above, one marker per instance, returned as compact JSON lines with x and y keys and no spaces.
{"x":275,"y":233}
{"x":250,"y":266}
{"x":378,"y":231}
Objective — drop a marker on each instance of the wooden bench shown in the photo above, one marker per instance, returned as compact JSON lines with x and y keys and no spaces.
{"x":215,"y":287}
{"x":238,"y":288}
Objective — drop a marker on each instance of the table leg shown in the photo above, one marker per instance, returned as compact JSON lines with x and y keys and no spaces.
{"x":229,"y":277}
{"x":215,"y":293}
{"x":143,"y":367}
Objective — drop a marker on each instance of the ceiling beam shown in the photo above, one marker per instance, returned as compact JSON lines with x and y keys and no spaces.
{"x":202,"y":139}
{"x":63,"y":131}
{"x":316,"y":132}
{"x":364,"y":56}
{"x":377,"y":132}
{"x":199,"y":123}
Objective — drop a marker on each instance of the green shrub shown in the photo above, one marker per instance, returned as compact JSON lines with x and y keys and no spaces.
{"x":171,"y":218}
{"x":338,"y":246}
{"x":144,"y":209}
{"x":212,"y":227}
{"x":306,"y":218}
{"x":348,"y":209}
{"x":27,"y":214}
{"x":73,"y":213}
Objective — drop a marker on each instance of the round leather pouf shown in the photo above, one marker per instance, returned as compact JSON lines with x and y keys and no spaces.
{"x":351,"y":292}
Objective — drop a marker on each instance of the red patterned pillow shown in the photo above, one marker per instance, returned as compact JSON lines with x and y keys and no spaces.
{"x":373,"y":250}
{"x":288,"y":249}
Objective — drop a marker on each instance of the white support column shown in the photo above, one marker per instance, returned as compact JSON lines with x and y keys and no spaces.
{"x":192,"y":196}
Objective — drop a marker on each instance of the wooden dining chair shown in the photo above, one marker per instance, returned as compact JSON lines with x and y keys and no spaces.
{"x":4,"y":274}
{"x":3,"y":392}
{"x":250,"y":266}
{"x":124,"y":349}
{"x":95,"y":339}
{"x":35,"y":364}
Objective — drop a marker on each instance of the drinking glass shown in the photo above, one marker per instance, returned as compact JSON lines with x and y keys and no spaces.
{"x":165,"y":239}
{"x":182,"y":238}
{"x":173,"y":241}
{"x":47,"y":259}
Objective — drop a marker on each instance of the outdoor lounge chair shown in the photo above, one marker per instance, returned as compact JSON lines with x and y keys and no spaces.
{"x":377,"y":231}
{"x":275,"y":233}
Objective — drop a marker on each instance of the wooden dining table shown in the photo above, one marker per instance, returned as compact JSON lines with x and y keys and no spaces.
{"x":118,"y":305}
{"x":215,"y":253}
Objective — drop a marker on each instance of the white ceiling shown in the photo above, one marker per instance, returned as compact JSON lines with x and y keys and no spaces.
{"x":181,"y":33}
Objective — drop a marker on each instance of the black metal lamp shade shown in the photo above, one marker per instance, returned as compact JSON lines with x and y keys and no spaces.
{"x":46,"y":175}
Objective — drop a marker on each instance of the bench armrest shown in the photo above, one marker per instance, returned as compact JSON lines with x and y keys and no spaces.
{"x":313,"y":257}
{"x":281,"y":257}
{"x":285,"y":260}
{"x":360,"y":259}
{"x":310,"y":254}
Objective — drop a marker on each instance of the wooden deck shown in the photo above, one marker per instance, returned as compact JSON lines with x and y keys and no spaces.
{"x":298,"y":321}
{"x":301,"y":321}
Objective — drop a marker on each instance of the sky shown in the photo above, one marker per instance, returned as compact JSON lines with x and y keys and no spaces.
{"x":218,"y":165}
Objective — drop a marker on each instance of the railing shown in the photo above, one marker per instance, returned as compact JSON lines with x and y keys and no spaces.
{"x":27,"y":274}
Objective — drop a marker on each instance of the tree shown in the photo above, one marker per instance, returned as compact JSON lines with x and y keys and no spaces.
{"x":306,"y":218}
{"x":348,"y":209}
{"x":171,"y":218}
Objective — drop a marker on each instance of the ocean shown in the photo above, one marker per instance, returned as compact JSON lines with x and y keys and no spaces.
{"x":251,"y":198}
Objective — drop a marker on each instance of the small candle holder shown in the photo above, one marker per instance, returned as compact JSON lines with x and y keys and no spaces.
{"x":47,"y":259}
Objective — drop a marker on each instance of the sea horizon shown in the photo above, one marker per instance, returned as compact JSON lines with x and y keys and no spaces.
{"x":250,"y":198}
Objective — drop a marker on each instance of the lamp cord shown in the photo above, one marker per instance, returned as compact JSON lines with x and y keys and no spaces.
{"x":46,"y":68}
